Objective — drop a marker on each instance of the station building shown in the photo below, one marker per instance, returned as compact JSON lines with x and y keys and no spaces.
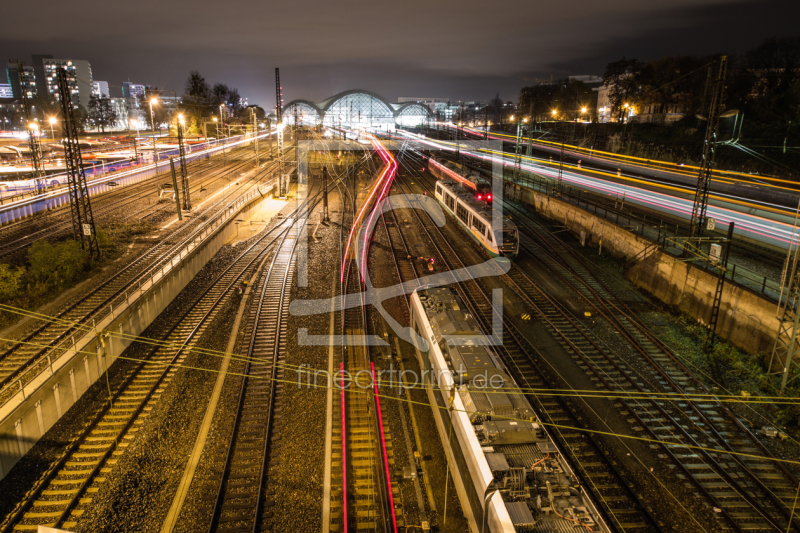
{"x":356,"y":109}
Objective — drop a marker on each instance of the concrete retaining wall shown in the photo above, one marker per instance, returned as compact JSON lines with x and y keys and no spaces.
{"x":746,"y":319}
{"x":32,"y":412}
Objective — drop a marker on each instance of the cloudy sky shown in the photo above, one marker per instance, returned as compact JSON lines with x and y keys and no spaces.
{"x":462,"y":50}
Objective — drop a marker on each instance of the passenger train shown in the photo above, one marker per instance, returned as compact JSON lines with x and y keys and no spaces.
{"x":491,"y":434}
{"x":481,"y":187}
{"x":476,"y":217}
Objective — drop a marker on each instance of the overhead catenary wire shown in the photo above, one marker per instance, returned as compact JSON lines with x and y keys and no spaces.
{"x":499,"y":417}
{"x":396,"y":384}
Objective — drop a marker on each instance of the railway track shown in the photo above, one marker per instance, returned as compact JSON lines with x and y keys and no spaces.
{"x":726,"y":465}
{"x":18,"y":235}
{"x":746,"y":489}
{"x":33,"y":348}
{"x":64,"y":492}
{"x":362,"y":493}
{"x":621,"y":507}
{"x":236,"y":491}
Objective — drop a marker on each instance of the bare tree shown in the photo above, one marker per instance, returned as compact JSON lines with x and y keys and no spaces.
{"x":102,"y":112}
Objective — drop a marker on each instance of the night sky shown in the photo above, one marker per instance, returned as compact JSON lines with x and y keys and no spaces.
{"x":461,"y":50}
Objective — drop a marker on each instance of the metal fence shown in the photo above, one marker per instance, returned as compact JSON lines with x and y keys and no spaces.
{"x":652,"y":228}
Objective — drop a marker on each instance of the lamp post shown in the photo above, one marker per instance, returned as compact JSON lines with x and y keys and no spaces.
{"x":153,"y":132}
{"x":222,"y":121}
{"x":52,"y":121}
{"x":135,"y":122}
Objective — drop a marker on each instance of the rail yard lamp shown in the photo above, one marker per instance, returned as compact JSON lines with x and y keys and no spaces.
{"x":222,"y":121}
{"x":154,"y":101}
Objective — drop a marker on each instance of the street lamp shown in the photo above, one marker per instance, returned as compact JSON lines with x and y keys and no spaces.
{"x":153,"y":132}
{"x":52,"y":121}
{"x":222,"y":121}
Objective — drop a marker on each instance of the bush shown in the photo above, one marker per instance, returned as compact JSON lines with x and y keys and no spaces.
{"x":54,"y":266}
{"x":10,"y":281}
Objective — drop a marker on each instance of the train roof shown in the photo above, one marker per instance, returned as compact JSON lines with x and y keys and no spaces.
{"x":511,"y":436}
{"x":480,"y":207}
{"x":446,"y":312}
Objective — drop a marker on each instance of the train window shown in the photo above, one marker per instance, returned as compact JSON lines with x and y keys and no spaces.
{"x":462,"y":213}
{"x":451,"y":202}
{"x":478,"y":225}
{"x":438,"y":189}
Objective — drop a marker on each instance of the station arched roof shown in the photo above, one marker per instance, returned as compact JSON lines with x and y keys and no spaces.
{"x":409,"y":107}
{"x":378,"y":105}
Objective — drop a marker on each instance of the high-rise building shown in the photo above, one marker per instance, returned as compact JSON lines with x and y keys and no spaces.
{"x":38,"y":65}
{"x":27,"y":83}
{"x":100,"y":88}
{"x":79,"y":78}
{"x":134,"y":90}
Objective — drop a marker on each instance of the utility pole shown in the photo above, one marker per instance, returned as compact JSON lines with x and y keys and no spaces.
{"x":701,"y":193}
{"x":155,"y":146}
{"x":255,"y":133}
{"x":325,"y":193}
{"x":269,"y":131}
{"x":786,"y":342}
{"x":279,"y":117}
{"x":518,"y":150}
{"x":722,"y":269}
{"x":83,"y":227}
{"x":529,"y":152}
{"x":561,"y":162}
{"x":175,"y":188}
{"x":222,"y":123}
{"x":33,"y":129}
{"x":187,"y":202}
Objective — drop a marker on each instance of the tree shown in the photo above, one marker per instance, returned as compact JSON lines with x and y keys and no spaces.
{"x":55,"y":265}
{"x":496,"y":109}
{"x":260,"y":113}
{"x":196,"y":98}
{"x":621,"y":79}
{"x":10,"y":281}
{"x":197,"y":89}
{"x":219,"y":94}
{"x":234,"y":101}
{"x":102,"y":112}
{"x":536,"y":101}
{"x":776,"y":66}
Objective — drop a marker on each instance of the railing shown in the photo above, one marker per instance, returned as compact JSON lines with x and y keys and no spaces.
{"x":60,"y":354}
{"x":98,"y":171}
{"x":651,"y":228}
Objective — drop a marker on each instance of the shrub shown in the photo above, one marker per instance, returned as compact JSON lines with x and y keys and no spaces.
{"x":55,"y":265}
{"x":10,"y":281}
